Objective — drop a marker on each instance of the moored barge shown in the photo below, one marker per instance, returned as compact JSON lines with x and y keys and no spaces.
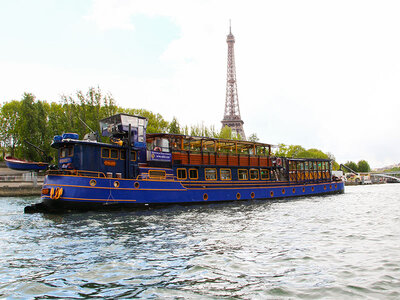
{"x":137,"y":169}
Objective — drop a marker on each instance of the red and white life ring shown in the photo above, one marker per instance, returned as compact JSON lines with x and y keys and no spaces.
{"x":279,"y":161}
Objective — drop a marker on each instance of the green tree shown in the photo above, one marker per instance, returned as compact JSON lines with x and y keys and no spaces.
{"x":226,"y":133}
{"x":281,"y":150}
{"x":88,"y":108}
{"x":293,"y":151}
{"x":9,"y":116}
{"x":31,"y":127}
{"x":296,"y":151}
{"x":174,"y":126}
{"x":363,"y":166}
{"x":393,"y":169}
{"x":253,"y":137}
{"x":313,"y":153}
{"x":352,"y":165}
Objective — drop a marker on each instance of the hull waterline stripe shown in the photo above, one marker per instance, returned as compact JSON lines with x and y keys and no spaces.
{"x":112,"y":188}
{"x":94,"y":200}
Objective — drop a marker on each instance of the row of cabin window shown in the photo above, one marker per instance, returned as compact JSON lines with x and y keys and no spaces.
{"x":224,"y":174}
{"x":116,"y":154}
{"x":309,"y":165}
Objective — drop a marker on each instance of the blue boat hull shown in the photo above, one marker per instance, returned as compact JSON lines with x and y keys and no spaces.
{"x":26,"y":166}
{"x":94,"y":193}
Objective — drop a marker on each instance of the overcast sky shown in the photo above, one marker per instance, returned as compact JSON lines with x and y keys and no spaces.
{"x":321,"y":74}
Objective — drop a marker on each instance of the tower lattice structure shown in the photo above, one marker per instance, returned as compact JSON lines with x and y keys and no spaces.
{"x":232,"y":112}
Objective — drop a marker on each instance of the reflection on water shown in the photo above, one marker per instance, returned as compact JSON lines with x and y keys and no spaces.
{"x":323,"y":247}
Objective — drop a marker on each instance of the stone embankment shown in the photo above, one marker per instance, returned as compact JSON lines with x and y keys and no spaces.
{"x":19,"y":183}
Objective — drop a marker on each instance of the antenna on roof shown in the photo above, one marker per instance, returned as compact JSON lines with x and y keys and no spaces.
{"x":93,"y":136}
{"x":230,"y":31}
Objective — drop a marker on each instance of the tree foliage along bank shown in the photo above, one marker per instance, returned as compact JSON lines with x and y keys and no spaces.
{"x":297,"y":151}
{"x":362,"y":166}
{"x":38,"y":122}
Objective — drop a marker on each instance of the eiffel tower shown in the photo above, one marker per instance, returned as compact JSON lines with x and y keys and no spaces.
{"x":232,"y":112}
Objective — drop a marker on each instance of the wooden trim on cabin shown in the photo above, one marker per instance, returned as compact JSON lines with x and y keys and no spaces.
{"x":220,"y":159}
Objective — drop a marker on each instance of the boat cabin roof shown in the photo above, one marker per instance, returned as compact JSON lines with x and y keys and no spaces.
{"x":66,"y":142}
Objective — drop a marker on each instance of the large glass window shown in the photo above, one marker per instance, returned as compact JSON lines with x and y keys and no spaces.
{"x":211,"y":174}
{"x":225,"y":174}
{"x":243,"y":174}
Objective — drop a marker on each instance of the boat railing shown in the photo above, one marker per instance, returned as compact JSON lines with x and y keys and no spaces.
{"x":82,"y":173}
{"x":309,"y":175}
{"x":220,"y":158}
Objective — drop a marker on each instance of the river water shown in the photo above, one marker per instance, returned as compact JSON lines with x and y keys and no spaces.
{"x":331,"y":247}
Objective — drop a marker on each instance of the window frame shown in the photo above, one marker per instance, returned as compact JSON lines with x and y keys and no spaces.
{"x":258,"y":174}
{"x":225,"y":169}
{"x":134,"y":154}
{"x":116,"y":150}
{"x":157,"y":177}
{"x":197,"y":174}
{"x":120,"y":155}
{"x":177,"y":173}
{"x":104,"y":148}
{"x":247,"y":174}
{"x":266,"y":172}
{"x":63,"y":152}
{"x":68,"y":151}
{"x":210,"y":169}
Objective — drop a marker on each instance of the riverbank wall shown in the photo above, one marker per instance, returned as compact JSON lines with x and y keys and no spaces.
{"x":19,"y":183}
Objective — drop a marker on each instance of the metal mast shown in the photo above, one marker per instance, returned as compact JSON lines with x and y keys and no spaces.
{"x":232,"y":112}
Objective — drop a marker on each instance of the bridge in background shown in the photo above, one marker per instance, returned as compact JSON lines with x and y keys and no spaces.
{"x":390,"y":176}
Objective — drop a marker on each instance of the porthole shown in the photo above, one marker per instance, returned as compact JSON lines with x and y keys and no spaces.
{"x":116,"y":184}
{"x":330,"y":186}
{"x":335,"y":186}
{"x":238,"y":196}
{"x":283,"y":191}
{"x":325,"y":187}
{"x":252,"y":195}
{"x":293,"y":190}
{"x":92,"y":182}
{"x":136,"y":185}
{"x":272,"y":194}
{"x":312,"y":189}
{"x":304,"y":189}
{"x":205,"y":197}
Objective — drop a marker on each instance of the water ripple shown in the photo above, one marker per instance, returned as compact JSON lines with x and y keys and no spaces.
{"x":345,"y":246}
